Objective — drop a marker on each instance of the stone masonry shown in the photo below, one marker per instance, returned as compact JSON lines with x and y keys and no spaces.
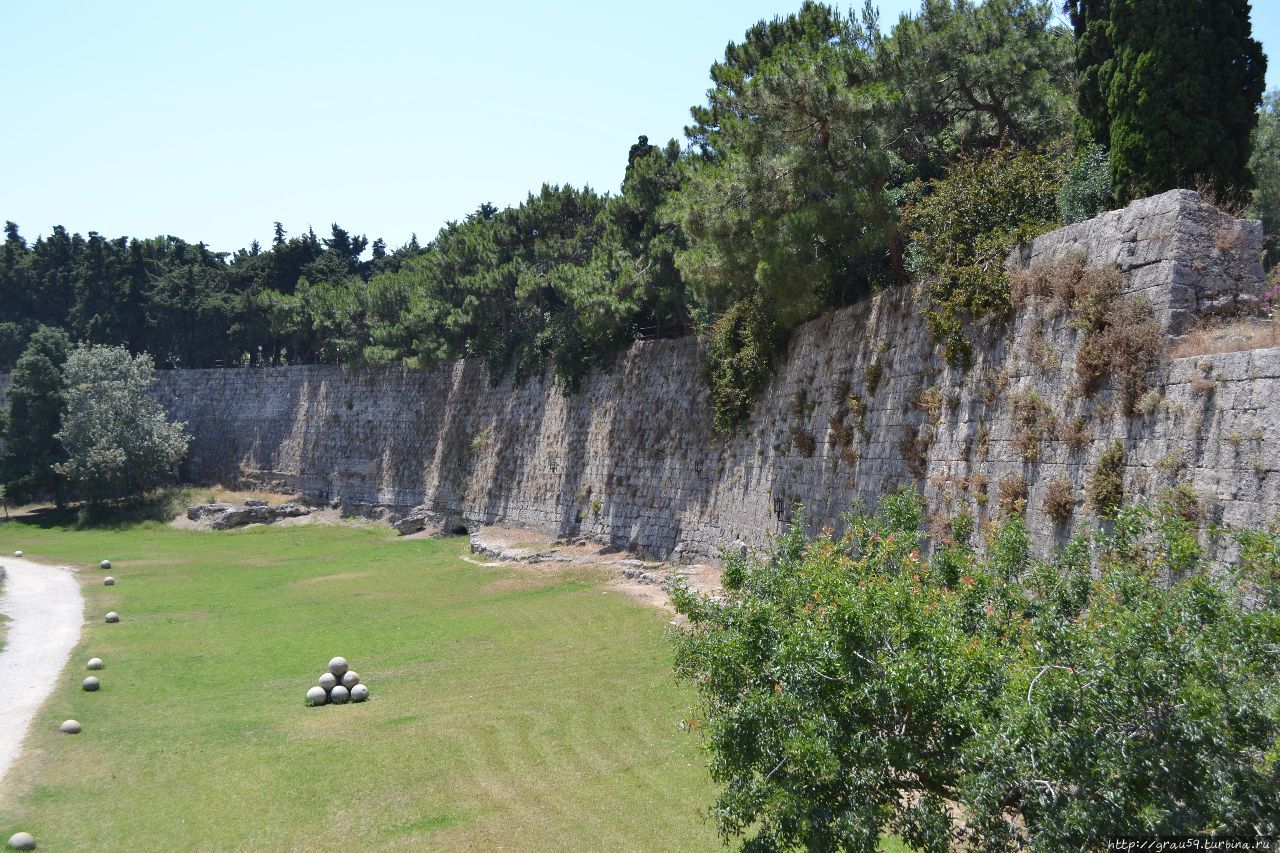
{"x":632,"y":460}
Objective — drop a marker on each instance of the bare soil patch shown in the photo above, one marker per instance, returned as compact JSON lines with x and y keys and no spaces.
{"x":644,"y":581}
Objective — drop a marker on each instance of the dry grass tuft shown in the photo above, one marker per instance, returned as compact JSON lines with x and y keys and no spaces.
{"x":1033,"y":422}
{"x":1059,"y":502}
{"x":1074,"y":433}
{"x":1121,"y":341}
{"x":1013,"y":494}
{"x":1234,"y":336}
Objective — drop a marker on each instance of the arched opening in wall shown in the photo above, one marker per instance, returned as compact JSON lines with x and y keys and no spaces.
{"x":459,"y":530}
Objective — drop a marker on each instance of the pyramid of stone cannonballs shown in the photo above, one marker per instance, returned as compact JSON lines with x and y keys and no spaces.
{"x":337,"y":685}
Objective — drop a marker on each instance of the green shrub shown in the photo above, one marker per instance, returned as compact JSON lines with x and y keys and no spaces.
{"x":480,"y":441}
{"x":1106,"y":485}
{"x":965,"y":225}
{"x":1183,"y":501}
{"x":1086,"y":191}
{"x":740,"y":352}
{"x":851,"y":688}
{"x":120,"y":442}
{"x":875,"y":373}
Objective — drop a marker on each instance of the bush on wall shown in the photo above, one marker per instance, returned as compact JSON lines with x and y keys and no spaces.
{"x":965,"y":225}
{"x":740,"y":352}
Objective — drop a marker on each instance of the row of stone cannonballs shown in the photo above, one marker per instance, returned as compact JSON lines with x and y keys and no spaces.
{"x":337,"y":685}
{"x":25,"y":840}
{"x":91,"y":683}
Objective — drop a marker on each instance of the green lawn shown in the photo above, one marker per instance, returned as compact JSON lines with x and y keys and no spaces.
{"x":511,"y":707}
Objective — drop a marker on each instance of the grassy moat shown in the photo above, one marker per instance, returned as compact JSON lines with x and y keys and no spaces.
{"x":510,"y":707}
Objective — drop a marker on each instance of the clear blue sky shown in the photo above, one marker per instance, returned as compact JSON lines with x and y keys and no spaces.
{"x":210,"y":121}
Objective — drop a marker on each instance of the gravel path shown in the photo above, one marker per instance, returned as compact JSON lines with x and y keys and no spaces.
{"x":45,"y":611}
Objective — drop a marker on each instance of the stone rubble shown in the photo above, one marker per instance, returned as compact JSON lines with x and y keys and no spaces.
{"x":223,"y":516}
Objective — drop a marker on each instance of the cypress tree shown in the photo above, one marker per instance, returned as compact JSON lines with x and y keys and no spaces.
{"x":1091,"y":20}
{"x":1176,"y":85}
{"x":34,"y":416}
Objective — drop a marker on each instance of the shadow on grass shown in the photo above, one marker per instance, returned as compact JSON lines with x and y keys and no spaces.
{"x":161,"y":505}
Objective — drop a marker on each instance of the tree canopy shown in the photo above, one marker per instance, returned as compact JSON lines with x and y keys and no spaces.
{"x":1172,"y":89}
{"x":851,"y":687}
{"x":798,"y":189}
{"x":33,"y":417}
{"x":118,"y":441}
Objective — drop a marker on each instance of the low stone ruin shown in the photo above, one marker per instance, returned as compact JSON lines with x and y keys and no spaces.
{"x":338,"y":685}
{"x":222,"y":516}
{"x":422,"y":518}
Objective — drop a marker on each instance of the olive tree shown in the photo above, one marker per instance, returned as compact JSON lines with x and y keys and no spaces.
{"x":118,"y":441}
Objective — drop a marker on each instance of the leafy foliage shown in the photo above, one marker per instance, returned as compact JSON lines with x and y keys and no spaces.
{"x":1106,"y":483}
{"x":1172,"y":94}
{"x":1086,"y":190}
{"x":31,"y":418}
{"x":790,"y":201}
{"x":965,"y":225}
{"x":740,"y":353}
{"x":851,"y":687}
{"x":118,"y":441}
{"x":817,"y":124}
{"x":1264,"y":163}
{"x":970,"y":77}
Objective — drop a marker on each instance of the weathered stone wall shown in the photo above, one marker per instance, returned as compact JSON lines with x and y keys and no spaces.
{"x":631,"y":459}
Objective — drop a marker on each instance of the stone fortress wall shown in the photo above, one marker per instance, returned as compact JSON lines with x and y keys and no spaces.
{"x":632,"y":460}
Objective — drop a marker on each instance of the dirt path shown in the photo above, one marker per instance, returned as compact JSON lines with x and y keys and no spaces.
{"x":644,"y":581}
{"x":45,"y":611}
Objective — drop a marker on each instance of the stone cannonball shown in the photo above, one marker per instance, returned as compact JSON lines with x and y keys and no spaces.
{"x":339,"y":695}
{"x":70,"y":727}
{"x":338,"y":666}
{"x":22,"y":841}
{"x":105,"y":564}
{"x":91,"y":683}
{"x":359,"y":693}
{"x":17,"y":554}
{"x":350,"y":679}
{"x":317,"y":696}
{"x":113,"y":617}
{"x":95,"y":663}
{"x":327,"y":681}
{"x":108,"y":581}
